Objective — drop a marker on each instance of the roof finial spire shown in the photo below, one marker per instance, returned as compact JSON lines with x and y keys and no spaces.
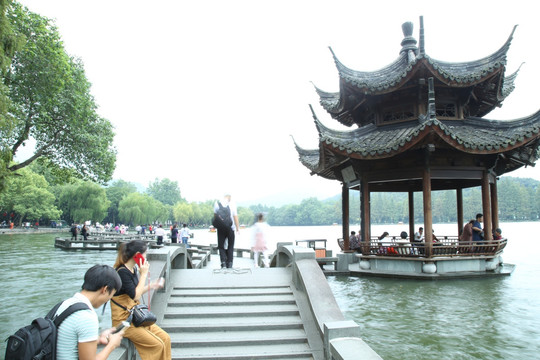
{"x":421,"y":50}
{"x":408,"y":42}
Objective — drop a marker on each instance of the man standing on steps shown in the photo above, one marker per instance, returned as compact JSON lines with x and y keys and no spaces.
{"x":226,"y":235}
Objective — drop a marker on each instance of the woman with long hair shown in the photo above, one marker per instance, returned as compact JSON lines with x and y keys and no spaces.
{"x":151,"y":342}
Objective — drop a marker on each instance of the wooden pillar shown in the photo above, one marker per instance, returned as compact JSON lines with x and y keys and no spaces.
{"x":345,"y":217}
{"x":365,"y":216}
{"x":459,"y":201}
{"x":486,"y":206}
{"x":494,"y":205}
{"x":411,"y":215}
{"x":428,"y":216}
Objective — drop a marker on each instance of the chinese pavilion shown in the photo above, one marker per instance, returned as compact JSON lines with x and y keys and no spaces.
{"x":419,"y":126}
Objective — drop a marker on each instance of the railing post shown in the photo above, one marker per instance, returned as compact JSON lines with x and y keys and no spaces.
{"x":300,"y":253}
{"x":338,"y":329}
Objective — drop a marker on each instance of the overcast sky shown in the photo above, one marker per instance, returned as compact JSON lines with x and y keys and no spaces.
{"x":208,"y":93}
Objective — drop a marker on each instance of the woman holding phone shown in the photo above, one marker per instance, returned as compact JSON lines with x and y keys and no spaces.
{"x":151,"y":342}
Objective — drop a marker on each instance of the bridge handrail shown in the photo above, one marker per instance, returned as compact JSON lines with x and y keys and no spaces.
{"x":307,"y":276}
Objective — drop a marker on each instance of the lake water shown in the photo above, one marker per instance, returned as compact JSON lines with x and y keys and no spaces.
{"x":400,"y":319}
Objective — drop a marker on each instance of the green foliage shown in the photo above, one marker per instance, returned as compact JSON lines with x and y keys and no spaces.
{"x":29,"y":197}
{"x":202,"y":213}
{"x":51,"y":105}
{"x":184,"y":213}
{"x":137,"y":208}
{"x":117,"y":191}
{"x":165,"y":190}
{"x":82,"y":201}
{"x":10,"y":42}
{"x":245,"y":216}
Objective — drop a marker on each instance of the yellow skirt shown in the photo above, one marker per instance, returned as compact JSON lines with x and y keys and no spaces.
{"x":151,"y":342}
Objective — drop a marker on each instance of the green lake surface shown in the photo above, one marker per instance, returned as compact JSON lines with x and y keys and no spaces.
{"x":491,"y":318}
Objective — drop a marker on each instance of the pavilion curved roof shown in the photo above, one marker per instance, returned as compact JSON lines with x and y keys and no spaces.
{"x":472,"y":135}
{"x":410,"y":62}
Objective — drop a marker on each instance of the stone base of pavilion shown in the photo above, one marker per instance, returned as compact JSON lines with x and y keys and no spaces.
{"x":432,"y":268}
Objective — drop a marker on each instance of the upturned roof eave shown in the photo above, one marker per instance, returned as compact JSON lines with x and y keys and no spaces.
{"x":336,"y":141}
{"x":390,"y":77}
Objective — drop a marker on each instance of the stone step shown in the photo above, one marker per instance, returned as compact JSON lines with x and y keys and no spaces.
{"x":240,"y":291}
{"x":232,"y":300}
{"x":262,"y":351}
{"x":230,"y":340}
{"x":231,"y":310}
{"x":216,"y":335}
{"x":209,"y":322}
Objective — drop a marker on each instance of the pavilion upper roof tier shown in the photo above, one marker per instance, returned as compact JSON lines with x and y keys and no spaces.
{"x":471,"y":88}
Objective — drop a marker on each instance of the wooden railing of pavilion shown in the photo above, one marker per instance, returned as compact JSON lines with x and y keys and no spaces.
{"x":447,"y":246}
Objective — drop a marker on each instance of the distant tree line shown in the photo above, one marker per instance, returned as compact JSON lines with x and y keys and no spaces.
{"x":38,"y":194}
{"x":519,"y":200}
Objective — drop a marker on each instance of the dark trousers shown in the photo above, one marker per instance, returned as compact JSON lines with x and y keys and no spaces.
{"x":174,"y":240}
{"x":160,"y":240}
{"x":226,"y":256}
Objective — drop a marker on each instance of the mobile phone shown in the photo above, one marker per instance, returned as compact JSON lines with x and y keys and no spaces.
{"x":119,"y":328}
{"x":139,"y":259}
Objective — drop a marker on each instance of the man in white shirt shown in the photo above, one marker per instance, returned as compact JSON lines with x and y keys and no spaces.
{"x":78,"y":335}
{"x":160,"y":233}
{"x":419,"y":235}
{"x":184,"y":234}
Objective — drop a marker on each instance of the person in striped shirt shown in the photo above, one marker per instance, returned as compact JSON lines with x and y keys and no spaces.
{"x":78,"y":336}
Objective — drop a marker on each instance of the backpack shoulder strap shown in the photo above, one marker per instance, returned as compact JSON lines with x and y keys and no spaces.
{"x":70,"y":310}
{"x":53,"y":311}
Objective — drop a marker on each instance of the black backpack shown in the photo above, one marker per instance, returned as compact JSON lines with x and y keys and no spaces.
{"x":222,"y":218}
{"x":37,"y":341}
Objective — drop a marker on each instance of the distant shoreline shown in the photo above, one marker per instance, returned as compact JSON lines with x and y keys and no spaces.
{"x":41,"y":230}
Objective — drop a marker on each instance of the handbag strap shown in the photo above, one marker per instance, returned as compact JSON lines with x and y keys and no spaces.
{"x":130,"y":317}
{"x":117,"y":304}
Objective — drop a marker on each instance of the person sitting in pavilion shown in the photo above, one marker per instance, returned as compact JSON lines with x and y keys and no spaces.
{"x":478,"y":232}
{"x":465,"y":239}
{"x":354,"y":243}
{"x":403,"y":245}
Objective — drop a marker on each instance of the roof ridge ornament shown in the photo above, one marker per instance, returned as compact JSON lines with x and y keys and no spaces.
{"x":408,"y":42}
{"x":421,"y":49}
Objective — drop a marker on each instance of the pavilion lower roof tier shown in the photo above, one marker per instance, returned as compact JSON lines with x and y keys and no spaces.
{"x":451,"y":146}
{"x":475,"y":87}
